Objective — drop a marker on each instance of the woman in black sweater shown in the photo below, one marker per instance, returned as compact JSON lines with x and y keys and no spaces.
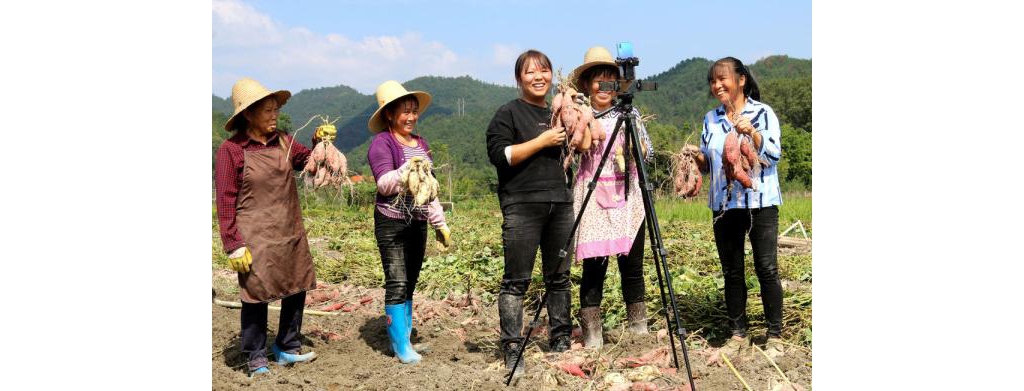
{"x":536,"y":203}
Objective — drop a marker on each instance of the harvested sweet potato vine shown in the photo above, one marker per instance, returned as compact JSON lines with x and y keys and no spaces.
{"x":326,"y":166}
{"x":686,"y":175}
{"x":419,"y":182}
{"x":571,"y":110}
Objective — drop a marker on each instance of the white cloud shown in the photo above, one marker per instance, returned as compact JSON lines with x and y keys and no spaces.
{"x":506,"y":55}
{"x":236,"y":24}
{"x":246,"y":42}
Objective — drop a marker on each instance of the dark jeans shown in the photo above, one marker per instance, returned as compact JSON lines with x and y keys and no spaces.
{"x":730,"y":232}
{"x":402,"y":245}
{"x":527,"y":226}
{"x":254,"y":329}
{"x":631,"y":270}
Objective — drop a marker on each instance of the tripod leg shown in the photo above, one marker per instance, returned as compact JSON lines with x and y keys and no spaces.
{"x":526,"y":338}
{"x":657,"y":246}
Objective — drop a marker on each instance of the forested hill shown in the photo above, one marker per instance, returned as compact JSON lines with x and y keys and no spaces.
{"x":462,"y":107}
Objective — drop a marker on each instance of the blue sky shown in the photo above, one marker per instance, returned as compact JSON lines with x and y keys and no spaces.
{"x":306,"y":44}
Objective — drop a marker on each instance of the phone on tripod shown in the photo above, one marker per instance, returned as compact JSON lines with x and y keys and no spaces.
{"x":624,"y":50}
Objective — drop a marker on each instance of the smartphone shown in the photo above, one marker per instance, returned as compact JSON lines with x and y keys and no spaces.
{"x":625,"y":50}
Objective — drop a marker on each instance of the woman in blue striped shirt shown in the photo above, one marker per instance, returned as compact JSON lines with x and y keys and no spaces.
{"x":738,"y":210}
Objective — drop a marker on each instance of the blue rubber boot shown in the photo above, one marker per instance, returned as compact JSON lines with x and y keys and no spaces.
{"x":422,"y":347}
{"x":408,"y":317}
{"x":398,"y":331}
{"x":284,"y":358}
{"x":259,"y":371}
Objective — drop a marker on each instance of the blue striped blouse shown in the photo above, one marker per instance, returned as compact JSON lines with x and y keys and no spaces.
{"x":716,"y":127}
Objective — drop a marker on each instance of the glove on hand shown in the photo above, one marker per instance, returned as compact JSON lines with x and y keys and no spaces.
{"x":240,"y":260}
{"x":444,"y":237}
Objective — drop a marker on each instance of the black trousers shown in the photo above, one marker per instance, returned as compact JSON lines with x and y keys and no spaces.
{"x":402,"y":246}
{"x":254,"y":329}
{"x":730,"y":232}
{"x":527,"y":226}
{"x":631,"y":270}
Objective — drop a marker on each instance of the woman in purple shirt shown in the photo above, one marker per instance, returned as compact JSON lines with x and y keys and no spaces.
{"x":400,"y":227}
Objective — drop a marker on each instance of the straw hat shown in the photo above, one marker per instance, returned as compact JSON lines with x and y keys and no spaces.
{"x":248,"y":91}
{"x":388,"y":92}
{"x":596,"y":55}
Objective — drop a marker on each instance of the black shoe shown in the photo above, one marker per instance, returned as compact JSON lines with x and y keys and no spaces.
{"x":511,"y":354}
{"x":559,"y":344}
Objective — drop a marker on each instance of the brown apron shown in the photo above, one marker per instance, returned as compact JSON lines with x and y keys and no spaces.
{"x":270,"y":220}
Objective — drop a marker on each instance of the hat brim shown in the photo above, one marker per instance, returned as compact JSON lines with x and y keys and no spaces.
{"x":574,"y":77}
{"x":377,"y":124}
{"x":282,"y":98}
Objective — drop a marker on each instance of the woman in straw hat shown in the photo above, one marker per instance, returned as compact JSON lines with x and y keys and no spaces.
{"x":400,"y":226}
{"x":612,"y":225}
{"x":261,"y":222}
{"x":536,"y":203}
{"x":739,"y":211}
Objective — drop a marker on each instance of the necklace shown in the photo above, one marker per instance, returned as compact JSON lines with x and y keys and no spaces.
{"x":410,"y":142}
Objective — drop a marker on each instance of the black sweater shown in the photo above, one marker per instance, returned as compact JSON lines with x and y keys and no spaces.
{"x":539,"y":178}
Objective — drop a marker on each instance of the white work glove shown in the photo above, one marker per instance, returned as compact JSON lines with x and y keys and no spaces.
{"x":405,"y":167}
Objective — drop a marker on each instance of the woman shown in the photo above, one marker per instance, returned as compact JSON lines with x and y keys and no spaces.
{"x":612,"y":224}
{"x":399,"y":226}
{"x":536,"y":204}
{"x":737,"y":210}
{"x":261,"y":222}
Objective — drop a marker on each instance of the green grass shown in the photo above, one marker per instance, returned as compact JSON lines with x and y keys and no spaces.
{"x":795,"y":206}
{"x":344,"y":250}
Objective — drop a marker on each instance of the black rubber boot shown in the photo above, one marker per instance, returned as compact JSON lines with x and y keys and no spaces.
{"x":510,"y":314}
{"x":559,"y":321}
{"x":511,"y":351}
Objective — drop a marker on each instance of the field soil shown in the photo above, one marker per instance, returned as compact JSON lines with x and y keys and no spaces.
{"x":462,"y":334}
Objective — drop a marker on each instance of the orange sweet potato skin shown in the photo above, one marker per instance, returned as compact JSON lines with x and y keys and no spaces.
{"x":688,"y":180}
{"x":736,"y":166}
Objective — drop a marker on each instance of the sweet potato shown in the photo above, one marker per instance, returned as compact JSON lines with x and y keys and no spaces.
{"x":733,"y":164}
{"x":419,"y":182}
{"x":687,"y":178}
{"x":326,"y":166}
{"x":572,"y":369}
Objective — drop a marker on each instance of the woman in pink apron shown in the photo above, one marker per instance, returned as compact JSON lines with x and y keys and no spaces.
{"x":612,"y":225}
{"x":261,"y":223}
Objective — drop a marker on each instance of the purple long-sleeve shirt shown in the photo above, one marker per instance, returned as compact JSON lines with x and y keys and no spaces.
{"x":385,"y":156}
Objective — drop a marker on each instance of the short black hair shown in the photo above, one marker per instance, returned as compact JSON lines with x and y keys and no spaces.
{"x":530,"y":55}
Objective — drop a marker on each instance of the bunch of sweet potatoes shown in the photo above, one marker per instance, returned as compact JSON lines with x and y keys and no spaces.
{"x":739,"y":161}
{"x":686,"y":175}
{"x":572,"y":112}
{"x":326,"y":166}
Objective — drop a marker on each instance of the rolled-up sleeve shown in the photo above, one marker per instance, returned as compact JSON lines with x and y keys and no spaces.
{"x":500,"y":135}
{"x":771,"y":139}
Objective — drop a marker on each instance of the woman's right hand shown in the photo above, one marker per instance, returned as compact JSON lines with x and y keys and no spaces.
{"x":691,"y":150}
{"x":698,"y":156}
{"x":553,"y":137}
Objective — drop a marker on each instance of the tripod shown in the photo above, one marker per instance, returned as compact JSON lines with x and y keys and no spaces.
{"x":627,"y":118}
